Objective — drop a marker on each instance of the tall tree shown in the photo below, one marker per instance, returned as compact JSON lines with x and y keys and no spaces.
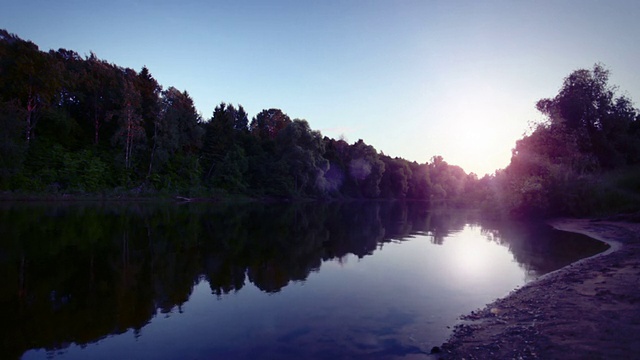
{"x":336,"y":180}
{"x":223,"y":150}
{"x":240,"y":120}
{"x":149,"y":91}
{"x":395,"y":179}
{"x":29,"y":75}
{"x":587,"y":111}
{"x":365,"y":169}
{"x":268,"y":123}
{"x":177,"y":140}
{"x":12,"y":141}
{"x":131,"y":134}
{"x":100,"y":91}
{"x":62,"y":119}
{"x":588,"y":130}
{"x":420,"y":182}
{"x":302,"y":149}
{"x":447,"y":181}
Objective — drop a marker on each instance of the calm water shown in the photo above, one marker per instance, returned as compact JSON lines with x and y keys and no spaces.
{"x":204,"y":281}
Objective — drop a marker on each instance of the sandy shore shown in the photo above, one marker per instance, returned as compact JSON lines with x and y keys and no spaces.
{"x":587,"y":310}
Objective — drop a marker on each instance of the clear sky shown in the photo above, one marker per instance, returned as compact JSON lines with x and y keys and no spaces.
{"x":414,"y":79}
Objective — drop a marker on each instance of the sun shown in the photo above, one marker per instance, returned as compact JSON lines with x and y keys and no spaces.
{"x":479,"y":133}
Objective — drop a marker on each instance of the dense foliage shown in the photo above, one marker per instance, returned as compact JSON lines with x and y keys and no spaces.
{"x":584,"y":159}
{"x":79,"y":125}
{"x":83,"y":125}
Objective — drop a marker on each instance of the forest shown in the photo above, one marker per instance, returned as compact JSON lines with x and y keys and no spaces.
{"x":80,"y":126}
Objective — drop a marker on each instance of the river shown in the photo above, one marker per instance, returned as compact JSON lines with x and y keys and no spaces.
{"x":271,"y":281}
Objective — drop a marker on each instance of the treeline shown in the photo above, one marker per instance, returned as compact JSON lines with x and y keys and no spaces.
{"x":74,"y":124}
{"x":584,"y":159}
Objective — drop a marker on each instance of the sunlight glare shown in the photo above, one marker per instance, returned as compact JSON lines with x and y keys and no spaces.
{"x":472,"y":257}
{"x":479,"y":128}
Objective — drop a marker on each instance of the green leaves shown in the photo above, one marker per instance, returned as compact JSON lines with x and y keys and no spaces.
{"x":587,"y":113}
{"x":557,"y":169}
{"x":101,"y":126}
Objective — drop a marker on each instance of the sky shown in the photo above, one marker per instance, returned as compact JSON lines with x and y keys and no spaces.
{"x":414,"y":79}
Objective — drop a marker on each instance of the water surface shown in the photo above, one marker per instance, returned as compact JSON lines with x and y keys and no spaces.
{"x":282,"y":281}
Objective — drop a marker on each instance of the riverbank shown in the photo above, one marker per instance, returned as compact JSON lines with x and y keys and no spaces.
{"x":587,"y":310}
{"x":127,"y":196}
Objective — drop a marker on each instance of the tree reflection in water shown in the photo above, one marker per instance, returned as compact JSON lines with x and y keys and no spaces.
{"x":75,"y":273}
